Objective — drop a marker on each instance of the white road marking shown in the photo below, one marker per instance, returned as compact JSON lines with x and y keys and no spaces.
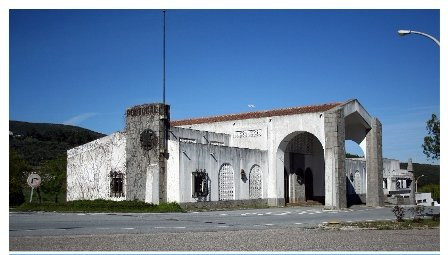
{"x":223,"y":226}
{"x":349,"y":221}
{"x":169,"y":227}
{"x":268,"y":212}
{"x":298,"y":223}
{"x":369,"y":220}
{"x":128,"y":228}
{"x":223,"y":214}
{"x":310,"y":213}
{"x":269,"y":224}
{"x":81,"y":214}
{"x":324,"y":222}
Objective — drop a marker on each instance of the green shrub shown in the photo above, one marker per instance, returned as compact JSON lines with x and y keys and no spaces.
{"x":101,"y":206}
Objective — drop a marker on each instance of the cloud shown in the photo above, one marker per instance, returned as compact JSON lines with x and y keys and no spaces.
{"x":79,"y":118}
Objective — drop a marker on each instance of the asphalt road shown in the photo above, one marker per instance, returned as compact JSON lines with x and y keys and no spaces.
{"x":290,"y":228}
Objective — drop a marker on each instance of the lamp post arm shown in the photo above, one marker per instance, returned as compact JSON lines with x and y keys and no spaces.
{"x":425,"y":34}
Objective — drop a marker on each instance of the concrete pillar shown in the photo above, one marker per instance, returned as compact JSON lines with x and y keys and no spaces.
{"x":412,"y":194}
{"x":146,"y":152}
{"x":375,"y":196}
{"x":335,"y":179}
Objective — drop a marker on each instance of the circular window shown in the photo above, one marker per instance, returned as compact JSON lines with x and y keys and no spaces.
{"x":148,"y":139}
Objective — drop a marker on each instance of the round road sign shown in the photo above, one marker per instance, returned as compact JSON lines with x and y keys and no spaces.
{"x":34,"y":180}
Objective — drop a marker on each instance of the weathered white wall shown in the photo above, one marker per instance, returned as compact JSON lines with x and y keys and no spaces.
{"x":268,"y":134}
{"x":211,"y":158}
{"x":89,"y":165}
{"x":352,"y":165}
{"x":173,"y":172}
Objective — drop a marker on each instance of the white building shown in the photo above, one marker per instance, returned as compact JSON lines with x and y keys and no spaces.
{"x":271,"y":157}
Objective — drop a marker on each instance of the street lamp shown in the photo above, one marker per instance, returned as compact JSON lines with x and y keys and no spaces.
{"x":416,"y":181}
{"x":407,"y":32}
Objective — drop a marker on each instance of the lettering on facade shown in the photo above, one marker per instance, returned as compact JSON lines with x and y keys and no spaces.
{"x":142,"y":110}
{"x":247,"y":133}
{"x":187,"y":140}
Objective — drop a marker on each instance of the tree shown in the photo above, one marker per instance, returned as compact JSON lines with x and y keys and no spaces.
{"x":54,"y":174}
{"x":18,"y":169}
{"x":431,"y":143}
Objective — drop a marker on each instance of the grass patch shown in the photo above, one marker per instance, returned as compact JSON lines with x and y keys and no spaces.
{"x":394,"y":225}
{"x":91,"y":206}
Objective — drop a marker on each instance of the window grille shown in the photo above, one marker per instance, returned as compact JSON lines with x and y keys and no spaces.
{"x":255,"y":182}
{"x":226,"y":182}
{"x":200,"y":184}
{"x":116,"y":184}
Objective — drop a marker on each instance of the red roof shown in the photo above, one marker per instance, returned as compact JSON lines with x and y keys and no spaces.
{"x":258,"y":114}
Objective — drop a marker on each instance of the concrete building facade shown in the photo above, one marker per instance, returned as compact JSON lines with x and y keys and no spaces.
{"x":273,"y":157}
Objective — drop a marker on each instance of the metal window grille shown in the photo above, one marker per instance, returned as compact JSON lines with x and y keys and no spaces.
{"x":200,"y":184}
{"x":116,"y":184}
{"x":255,"y":182}
{"x":226,"y":182}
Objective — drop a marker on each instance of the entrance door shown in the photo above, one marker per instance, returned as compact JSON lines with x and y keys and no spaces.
{"x":309,"y":184}
{"x":286,"y":186}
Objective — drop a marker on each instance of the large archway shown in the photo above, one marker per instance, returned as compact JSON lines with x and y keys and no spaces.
{"x":356,"y":130}
{"x":301,"y":158}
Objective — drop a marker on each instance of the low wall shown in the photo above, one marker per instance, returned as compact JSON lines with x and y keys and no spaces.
{"x":223,"y":205}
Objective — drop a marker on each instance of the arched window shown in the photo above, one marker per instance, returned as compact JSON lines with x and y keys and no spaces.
{"x":255,"y":182}
{"x":226,"y":184}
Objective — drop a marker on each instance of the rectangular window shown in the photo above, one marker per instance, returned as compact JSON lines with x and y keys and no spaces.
{"x":116,"y":184}
{"x":199,"y":184}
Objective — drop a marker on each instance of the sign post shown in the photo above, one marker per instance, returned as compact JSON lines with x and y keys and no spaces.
{"x":33,"y":181}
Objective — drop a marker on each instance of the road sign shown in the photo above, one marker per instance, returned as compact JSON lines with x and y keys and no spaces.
{"x":34,"y":180}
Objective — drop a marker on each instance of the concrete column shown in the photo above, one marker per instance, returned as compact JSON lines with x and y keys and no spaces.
{"x":146,"y":152}
{"x":412,"y":194}
{"x":375,"y":196}
{"x":335,"y":179}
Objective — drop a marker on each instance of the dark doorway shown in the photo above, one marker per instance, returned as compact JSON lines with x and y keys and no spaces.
{"x":309,"y":184}
{"x":286,"y":186}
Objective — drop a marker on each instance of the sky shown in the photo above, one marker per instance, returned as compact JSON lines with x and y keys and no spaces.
{"x":85,"y":67}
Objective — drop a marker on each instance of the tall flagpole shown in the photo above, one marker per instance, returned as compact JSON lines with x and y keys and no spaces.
{"x":164,"y":61}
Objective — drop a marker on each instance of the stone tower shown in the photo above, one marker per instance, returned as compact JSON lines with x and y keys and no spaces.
{"x":147,"y":128}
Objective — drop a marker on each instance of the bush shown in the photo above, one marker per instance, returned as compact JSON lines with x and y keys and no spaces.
{"x":90,"y":206}
{"x":16,"y":198}
{"x":416,"y":212}
{"x":399,"y":212}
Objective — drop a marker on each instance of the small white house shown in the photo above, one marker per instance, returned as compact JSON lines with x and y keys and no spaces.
{"x":425,"y":199}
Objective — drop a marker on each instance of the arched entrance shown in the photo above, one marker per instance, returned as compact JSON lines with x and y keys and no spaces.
{"x":301,"y":156}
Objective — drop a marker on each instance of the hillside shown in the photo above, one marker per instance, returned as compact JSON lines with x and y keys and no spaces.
{"x":431,"y":172}
{"x":39,"y":142}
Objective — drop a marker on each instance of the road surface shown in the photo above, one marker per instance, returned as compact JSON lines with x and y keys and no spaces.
{"x":287,"y":229}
